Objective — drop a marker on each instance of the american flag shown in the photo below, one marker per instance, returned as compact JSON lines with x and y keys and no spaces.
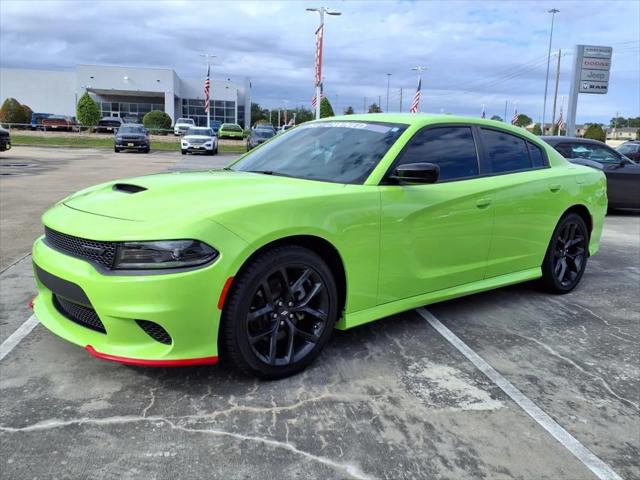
{"x":560,"y":122}
{"x":416,"y":99}
{"x":314,"y":100}
{"x":482,"y":115}
{"x":319,"y":35}
{"x":207,"y":87}
{"x":514,"y":120}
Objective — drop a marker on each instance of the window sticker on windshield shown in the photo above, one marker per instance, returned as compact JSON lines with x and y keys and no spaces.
{"x":372,"y":127}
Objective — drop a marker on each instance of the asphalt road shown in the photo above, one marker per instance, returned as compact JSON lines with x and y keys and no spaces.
{"x":393,"y":399}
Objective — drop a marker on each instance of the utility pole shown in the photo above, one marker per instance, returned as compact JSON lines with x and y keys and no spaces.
{"x":278,"y":118}
{"x":555,"y":95}
{"x":553,"y":12}
{"x":388,"y":79}
{"x":615,"y":124}
{"x":400,"y":99}
{"x":380,"y":102}
{"x":506,"y":104}
{"x":364,"y":105}
{"x":319,"y":42}
{"x":208,"y":56}
{"x":270,"y":116}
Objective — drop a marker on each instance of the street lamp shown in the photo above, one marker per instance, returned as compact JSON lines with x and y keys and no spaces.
{"x":388,"y":78}
{"x":319,"y":40}
{"x":553,"y":12}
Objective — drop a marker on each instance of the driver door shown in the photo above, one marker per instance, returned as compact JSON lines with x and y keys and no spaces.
{"x":436,"y":236}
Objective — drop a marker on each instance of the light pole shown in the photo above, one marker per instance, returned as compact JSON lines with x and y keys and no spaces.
{"x":553,"y":12}
{"x":319,"y":41}
{"x":207,"y":86}
{"x":388,"y":78}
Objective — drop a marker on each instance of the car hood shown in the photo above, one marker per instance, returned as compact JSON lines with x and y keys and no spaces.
{"x":198,"y":137}
{"x":194,"y":194}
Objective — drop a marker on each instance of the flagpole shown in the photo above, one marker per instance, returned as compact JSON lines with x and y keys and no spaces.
{"x":208,"y":57}
{"x":419,"y":69}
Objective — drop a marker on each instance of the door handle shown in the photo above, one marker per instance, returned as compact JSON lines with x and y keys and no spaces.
{"x":554,"y":187}
{"x":483,"y":202}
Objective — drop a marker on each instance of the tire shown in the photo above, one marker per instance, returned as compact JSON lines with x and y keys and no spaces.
{"x":116,"y":149}
{"x":184,"y":152}
{"x":215,"y":150}
{"x":298,"y":319}
{"x":566,"y":257}
{"x":147,"y":150}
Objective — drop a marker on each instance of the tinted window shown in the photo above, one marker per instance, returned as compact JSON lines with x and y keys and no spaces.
{"x":507,"y":153}
{"x":594,"y":152}
{"x":628,"y":148}
{"x":451,"y":148}
{"x":535,"y":153}
{"x":564,"y":149}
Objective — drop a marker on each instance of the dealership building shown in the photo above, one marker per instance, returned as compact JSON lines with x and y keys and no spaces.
{"x":128,"y":92}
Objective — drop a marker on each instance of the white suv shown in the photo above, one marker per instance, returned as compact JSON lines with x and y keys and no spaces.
{"x":199,"y":140}
{"x":182,"y":124}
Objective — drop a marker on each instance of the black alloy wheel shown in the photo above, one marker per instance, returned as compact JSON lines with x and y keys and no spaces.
{"x":280,"y":312}
{"x":567,"y":254}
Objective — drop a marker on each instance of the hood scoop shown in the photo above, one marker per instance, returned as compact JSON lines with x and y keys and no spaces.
{"x":128,"y":188}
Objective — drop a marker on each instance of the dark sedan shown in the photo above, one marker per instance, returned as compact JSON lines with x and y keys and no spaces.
{"x":131,"y":136}
{"x":258,"y":136}
{"x":5,"y":140}
{"x":630,"y":149}
{"x":623,"y":174}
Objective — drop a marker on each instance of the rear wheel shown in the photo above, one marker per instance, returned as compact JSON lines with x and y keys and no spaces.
{"x":116,"y":149}
{"x":184,"y":152}
{"x":566,"y":256}
{"x":280,"y":313}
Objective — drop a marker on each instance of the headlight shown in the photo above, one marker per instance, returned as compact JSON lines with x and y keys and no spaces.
{"x":163,"y":254}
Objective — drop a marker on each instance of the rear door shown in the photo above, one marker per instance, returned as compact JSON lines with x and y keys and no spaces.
{"x":526,"y":201}
{"x":436,"y":236}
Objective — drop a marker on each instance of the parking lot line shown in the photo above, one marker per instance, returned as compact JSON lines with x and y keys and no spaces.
{"x":582,"y":453}
{"x":16,"y":337}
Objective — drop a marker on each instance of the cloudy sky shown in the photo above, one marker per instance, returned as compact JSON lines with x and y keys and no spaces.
{"x":477,"y":52}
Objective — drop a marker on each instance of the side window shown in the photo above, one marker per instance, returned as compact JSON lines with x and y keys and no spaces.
{"x":594,"y":152}
{"x":565,"y":150}
{"x":451,"y":148}
{"x":507,"y":153}
{"x":536,"y":155}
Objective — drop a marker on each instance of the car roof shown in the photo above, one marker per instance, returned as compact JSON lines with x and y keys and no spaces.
{"x":554,"y":140}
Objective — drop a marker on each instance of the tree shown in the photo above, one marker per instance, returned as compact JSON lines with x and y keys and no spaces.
{"x":26,"y":113}
{"x":348,"y":110}
{"x":374,"y":108}
{"x":13,"y":112}
{"x":523,"y":120}
{"x":326,"y":110}
{"x":157,"y":121}
{"x":537,"y":130}
{"x":87,"y":110}
{"x":497,"y":118}
{"x":258,"y":113}
{"x":595,"y":132}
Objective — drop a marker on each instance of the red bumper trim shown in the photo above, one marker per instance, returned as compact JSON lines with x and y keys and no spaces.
{"x":188,"y":362}
{"x":31,"y":302}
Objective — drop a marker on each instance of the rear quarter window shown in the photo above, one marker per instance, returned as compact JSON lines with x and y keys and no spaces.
{"x":506,"y":152}
{"x":536,"y":155}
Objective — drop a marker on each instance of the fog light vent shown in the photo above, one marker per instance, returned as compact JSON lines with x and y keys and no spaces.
{"x":155,"y":331}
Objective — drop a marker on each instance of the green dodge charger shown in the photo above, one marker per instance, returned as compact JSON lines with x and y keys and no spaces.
{"x":339,"y":222}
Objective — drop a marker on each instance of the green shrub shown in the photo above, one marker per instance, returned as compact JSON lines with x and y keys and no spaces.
{"x":537,"y":130}
{"x":87,"y":111}
{"x":326,"y":110}
{"x":156,"y":121}
{"x":13,"y":112}
{"x":595,"y":132}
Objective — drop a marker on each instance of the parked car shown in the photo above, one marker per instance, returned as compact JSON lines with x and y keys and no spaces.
{"x":199,"y":140}
{"x":5,"y":140}
{"x":258,"y":136}
{"x":231,"y":130}
{"x":182,"y":125}
{"x":131,"y":136}
{"x":60,"y":122}
{"x":215,"y":126}
{"x":109,"y":125}
{"x":265,"y":126}
{"x":630,"y":149}
{"x":338,"y":223}
{"x":36,"y":120}
{"x":623,"y":174}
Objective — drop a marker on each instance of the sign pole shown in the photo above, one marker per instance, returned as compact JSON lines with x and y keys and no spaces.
{"x":572,"y":106}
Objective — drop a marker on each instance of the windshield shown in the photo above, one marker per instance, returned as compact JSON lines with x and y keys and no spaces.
{"x":341,"y":152}
{"x":185,"y":120}
{"x":230,"y":126}
{"x":131,"y":129}
{"x":200,"y":131}
{"x":263,"y":133}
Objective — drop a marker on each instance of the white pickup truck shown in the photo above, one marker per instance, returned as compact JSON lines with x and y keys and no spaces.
{"x":182,"y":125}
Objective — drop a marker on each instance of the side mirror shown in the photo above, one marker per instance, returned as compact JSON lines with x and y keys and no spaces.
{"x":416,"y":173}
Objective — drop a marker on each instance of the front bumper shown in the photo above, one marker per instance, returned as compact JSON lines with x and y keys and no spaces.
{"x":5,"y":144}
{"x":132,"y":145}
{"x":197,"y":148}
{"x":184,"y":304}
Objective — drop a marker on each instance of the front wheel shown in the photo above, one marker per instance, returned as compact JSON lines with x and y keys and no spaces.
{"x":116,"y":149}
{"x":280,"y":313}
{"x":566,"y":257}
{"x":184,"y":152}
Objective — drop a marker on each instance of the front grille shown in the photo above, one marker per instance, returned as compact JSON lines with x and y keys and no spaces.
{"x":198,"y":141}
{"x":155,"y":331}
{"x":131,"y":139}
{"x":85,"y":316}
{"x":94,"y":251}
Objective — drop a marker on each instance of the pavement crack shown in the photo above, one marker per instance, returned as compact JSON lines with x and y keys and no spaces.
{"x":152,"y":401}
{"x":352,"y":470}
{"x":604,"y":383}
